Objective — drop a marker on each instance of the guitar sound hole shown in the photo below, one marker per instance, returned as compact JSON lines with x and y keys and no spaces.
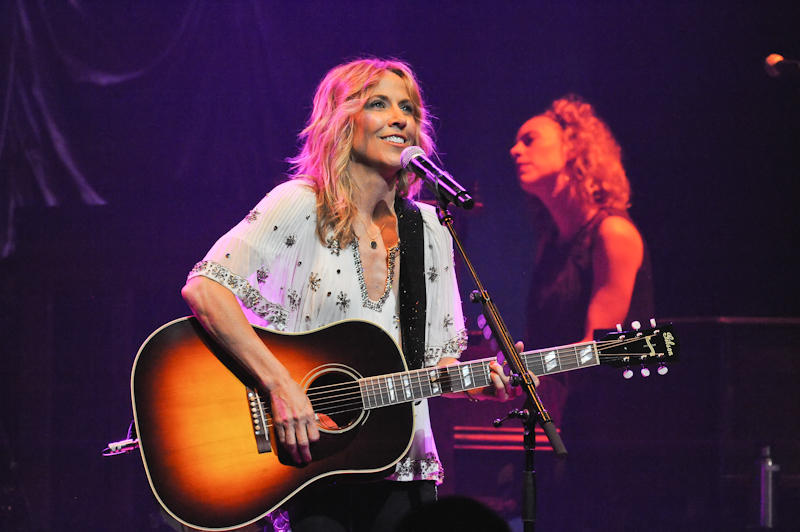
{"x":336,"y":399}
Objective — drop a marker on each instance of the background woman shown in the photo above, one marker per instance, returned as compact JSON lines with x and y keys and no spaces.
{"x":591,"y":271}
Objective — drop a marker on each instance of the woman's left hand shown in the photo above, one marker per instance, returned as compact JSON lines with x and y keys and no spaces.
{"x":502,"y":389}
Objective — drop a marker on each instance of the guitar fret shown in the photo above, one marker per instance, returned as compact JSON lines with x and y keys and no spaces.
{"x":423,"y":384}
{"x":368,"y":393}
{"x":434,"y":378}
{"x":447,"y":382}
{"x":380,"y":395}
{"x":408,"y":393}
{"x":429,"y":382}
{"x":486,"y":375}
{"x":477,"y":376}
{"x":534,"y":363}
{"x":551,"y":362}
{"x":385,"y":392}
{"x":588,"y":356}
{"x":375,"y":386}
{"x":365,"y":397}
{"x":465,"y":376}
{"x":390,"y":390}
{"x":545,"y":361}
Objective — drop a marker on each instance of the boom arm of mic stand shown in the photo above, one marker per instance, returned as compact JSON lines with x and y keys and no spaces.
{"x":500,"y":332}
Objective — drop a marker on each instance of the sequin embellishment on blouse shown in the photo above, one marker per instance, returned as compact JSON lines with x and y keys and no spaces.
{"x":342,"y":301}
{"x":333,"y":245}
{"x":432,"y":274}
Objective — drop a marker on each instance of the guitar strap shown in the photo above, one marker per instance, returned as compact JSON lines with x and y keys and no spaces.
{"x":412,"y":281}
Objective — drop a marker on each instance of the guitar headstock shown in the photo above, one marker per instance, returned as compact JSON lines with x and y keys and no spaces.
{"x":640,"y":347}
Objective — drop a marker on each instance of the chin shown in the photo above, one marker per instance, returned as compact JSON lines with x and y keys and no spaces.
{"x":530,"y":187}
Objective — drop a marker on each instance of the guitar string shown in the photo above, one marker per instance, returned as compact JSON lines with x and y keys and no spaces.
{"x":386,"y":391}
{"x":532,"y":357}
{"x":416,"y":381}
{"x":358,"y":405}
{"x":414,"y":389}
{"x":326,"y":400}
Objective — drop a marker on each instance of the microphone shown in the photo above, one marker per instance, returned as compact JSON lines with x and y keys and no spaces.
{"x":437,"y":180}
{"x":776,"y":66}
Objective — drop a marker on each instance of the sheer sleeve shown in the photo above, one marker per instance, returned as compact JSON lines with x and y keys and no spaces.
{"x":281,"y":224}
{"x":445,"y":335}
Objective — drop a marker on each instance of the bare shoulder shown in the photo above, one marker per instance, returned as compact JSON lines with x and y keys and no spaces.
{"x":619,"y":231}
{"x":620,"y":242}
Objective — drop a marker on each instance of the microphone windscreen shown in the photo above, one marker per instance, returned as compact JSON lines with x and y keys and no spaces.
{"x":409,"y":153}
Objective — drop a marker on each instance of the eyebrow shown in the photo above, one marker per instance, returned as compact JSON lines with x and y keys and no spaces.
{"x":386,"y":99}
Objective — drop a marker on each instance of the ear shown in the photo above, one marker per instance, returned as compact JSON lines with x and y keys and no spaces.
{"x":567,"y":150}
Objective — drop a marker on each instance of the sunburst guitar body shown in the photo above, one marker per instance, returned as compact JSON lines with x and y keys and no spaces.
{"x":204,"y":428}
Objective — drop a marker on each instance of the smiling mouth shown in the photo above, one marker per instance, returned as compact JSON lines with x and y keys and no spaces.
{"x":395,"y":139}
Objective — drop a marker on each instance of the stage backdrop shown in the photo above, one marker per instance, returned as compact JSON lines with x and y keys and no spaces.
{"x":133,"y":134}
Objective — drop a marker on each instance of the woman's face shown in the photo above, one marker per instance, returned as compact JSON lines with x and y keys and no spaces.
{"x":540,"y":155}
{"x":385,"y":126}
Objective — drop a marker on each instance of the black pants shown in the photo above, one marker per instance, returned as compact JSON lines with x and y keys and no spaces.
{"x":368,"y":507}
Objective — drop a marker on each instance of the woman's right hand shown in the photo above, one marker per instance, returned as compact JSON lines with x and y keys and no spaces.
{"x":293,"y":419}
{"x":293,"y":416}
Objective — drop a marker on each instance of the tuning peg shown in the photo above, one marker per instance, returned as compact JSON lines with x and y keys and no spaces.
{"x":645,"y":371}
{"x":635,"y":325}
{"x":619,"y":327}
{"x":653,"y":323}
{"x":627,"y":374}
{"x":662,"y":369}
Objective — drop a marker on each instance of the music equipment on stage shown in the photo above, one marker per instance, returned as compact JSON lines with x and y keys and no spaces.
{"x":204,"y":428}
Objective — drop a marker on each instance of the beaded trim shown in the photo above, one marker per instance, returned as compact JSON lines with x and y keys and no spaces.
{"x":427,"y":468}
{"x":452,"y":348}
{"x":249,"y":296}
{"x":377,"y":306}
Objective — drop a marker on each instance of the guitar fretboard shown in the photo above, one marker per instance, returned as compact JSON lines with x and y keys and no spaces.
{"x":403,"y":387}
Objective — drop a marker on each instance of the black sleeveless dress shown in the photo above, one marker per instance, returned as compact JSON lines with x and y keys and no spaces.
{"x":591,"y":489}
{"x":562,"y":287}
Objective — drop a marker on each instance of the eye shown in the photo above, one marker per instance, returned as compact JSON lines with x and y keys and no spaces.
{"x":407,"y":108}
{"x":377,"y":104}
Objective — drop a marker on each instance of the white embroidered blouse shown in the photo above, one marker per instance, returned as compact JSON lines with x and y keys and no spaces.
{"x":287,"y":280}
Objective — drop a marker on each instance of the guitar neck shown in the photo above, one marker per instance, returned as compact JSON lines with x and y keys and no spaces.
{"x":403,"y":387}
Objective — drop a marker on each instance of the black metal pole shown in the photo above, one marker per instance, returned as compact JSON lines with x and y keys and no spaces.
{"x":535,"y":411}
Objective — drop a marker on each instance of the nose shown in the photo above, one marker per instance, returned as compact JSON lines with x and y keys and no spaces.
{"x":515,"y":150}
{"x":398,"y":119}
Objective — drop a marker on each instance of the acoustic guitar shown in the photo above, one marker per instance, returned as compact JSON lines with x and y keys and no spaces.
{"x":212,"y":457}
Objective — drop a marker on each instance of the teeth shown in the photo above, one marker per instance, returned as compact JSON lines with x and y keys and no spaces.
{"x":394,"y":138}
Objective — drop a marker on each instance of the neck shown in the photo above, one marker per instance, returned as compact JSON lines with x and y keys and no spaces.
{"x":374,"y":190}
{"x":568,"y":214}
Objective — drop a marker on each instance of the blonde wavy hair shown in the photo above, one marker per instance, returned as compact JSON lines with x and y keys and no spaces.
{"x":327,"y":140}
{"x":594,"y":162}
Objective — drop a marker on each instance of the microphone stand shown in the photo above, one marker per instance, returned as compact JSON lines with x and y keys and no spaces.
{"x":534,"y":411}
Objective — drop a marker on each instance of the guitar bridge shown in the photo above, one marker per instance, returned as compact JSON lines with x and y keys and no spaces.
{"x":260,"y":420}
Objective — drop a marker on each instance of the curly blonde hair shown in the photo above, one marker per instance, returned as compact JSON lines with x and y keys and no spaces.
{"x":327,"y":140}
{"x":594,"y":162}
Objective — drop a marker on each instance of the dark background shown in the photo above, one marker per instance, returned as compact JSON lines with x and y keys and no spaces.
{"x":135,"y":133}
